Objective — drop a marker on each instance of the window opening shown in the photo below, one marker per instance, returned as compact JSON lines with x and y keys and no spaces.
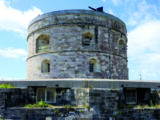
{"x":91,"y":67}
{"x":42,"y":44}
{"x":131,"y":96}
{"x":87,"y":37}
{"x":50,"y":95}
{"x":86,"y":41}
{"x":94,"y":66}
{"x":122,"y":46}
{"x":45,"y":66}
{"x":46,"y":94}
{"x":40,"y":94}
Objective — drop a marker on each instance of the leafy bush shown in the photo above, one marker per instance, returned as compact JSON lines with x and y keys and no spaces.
{"x":6,"y":86}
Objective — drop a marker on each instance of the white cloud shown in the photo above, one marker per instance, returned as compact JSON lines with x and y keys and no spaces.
{"x":13,"y":53}
{"x":103,"y":0}
{"x":141,"y":12}
{"x":144,"y":51}
{"x":15,"y":20}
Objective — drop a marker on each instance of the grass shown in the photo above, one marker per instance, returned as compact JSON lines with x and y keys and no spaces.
{"x":6,"y":86}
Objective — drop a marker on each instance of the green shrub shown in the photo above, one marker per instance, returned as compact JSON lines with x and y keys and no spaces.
{"x":43,"y":104}
{"x":157,"y":106}
{"x":151,"y":104}
{"x":6,"y":86}
{"x":40,"y":104}
{"x":145,"y":106}
{"x":138,"y":106}
{"x":86,"y":106}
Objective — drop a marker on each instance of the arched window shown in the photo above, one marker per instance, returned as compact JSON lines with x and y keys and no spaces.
{"x":45,"y":66}
{"x":94,"y":66}
{"x":42,"y":44}
{"x":122,"y":46}
{"x":87,"y":37}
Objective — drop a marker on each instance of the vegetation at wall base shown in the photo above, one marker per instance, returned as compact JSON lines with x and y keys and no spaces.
{"x":6,"y":86}
{"x":40,"y":104}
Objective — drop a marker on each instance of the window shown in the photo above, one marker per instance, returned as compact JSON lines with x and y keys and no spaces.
{"x":42,"y":44}
{"x":45,"y":67}
{"x":131,"y":96}
{"x":46,"y":94}
{"x":122,"y":46}
{"x":50,"y":95}
{"x":86,"y":41}
{"x":41,"y":94}
{"x":87,"y":37}
{"x":93,"y":66}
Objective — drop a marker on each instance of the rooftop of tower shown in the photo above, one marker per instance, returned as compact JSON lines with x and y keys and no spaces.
{"x":76,"y":11}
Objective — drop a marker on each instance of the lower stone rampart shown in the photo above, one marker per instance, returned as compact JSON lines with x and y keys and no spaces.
{"x":81,"y":103}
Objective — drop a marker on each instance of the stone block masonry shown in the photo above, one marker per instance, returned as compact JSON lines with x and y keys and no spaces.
{"x":101,"y":104}
{"x":77,"y":44}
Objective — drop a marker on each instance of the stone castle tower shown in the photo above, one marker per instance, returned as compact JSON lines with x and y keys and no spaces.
{"x":77,"y":44}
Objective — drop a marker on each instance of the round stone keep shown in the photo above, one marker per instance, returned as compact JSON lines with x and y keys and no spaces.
{"x":77,"y":44}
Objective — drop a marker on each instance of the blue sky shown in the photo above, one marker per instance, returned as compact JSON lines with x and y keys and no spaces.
{"x":142,"y":18}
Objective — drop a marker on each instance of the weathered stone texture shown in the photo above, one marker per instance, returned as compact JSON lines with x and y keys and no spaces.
{"x":69,"y":57}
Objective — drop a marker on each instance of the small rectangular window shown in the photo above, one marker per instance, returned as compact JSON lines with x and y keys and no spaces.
{"x":48,"y":67}
{"x":91,"y":67}
{"x":86,"y":41}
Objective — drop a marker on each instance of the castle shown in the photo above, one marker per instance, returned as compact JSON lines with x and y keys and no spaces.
{"x":77,"y":44}
{"x":78,"y":58}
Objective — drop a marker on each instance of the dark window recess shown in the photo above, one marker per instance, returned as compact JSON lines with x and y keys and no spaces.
{"x":123,"y":48}
{"x":48,"y":67}
{"x":96,"y":34}
{"x":86,"y":41}
{"x":91,"y":67}
{"x":131,"y":96}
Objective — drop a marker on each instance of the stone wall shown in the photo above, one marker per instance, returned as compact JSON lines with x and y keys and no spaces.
{"x":58,"y":114}
{"x":91,"y":104}
{"x":68,"y":56}
{"x":15,"y":97}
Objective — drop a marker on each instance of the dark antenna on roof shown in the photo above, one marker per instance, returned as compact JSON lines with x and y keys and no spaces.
{"x":99,"y":9}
